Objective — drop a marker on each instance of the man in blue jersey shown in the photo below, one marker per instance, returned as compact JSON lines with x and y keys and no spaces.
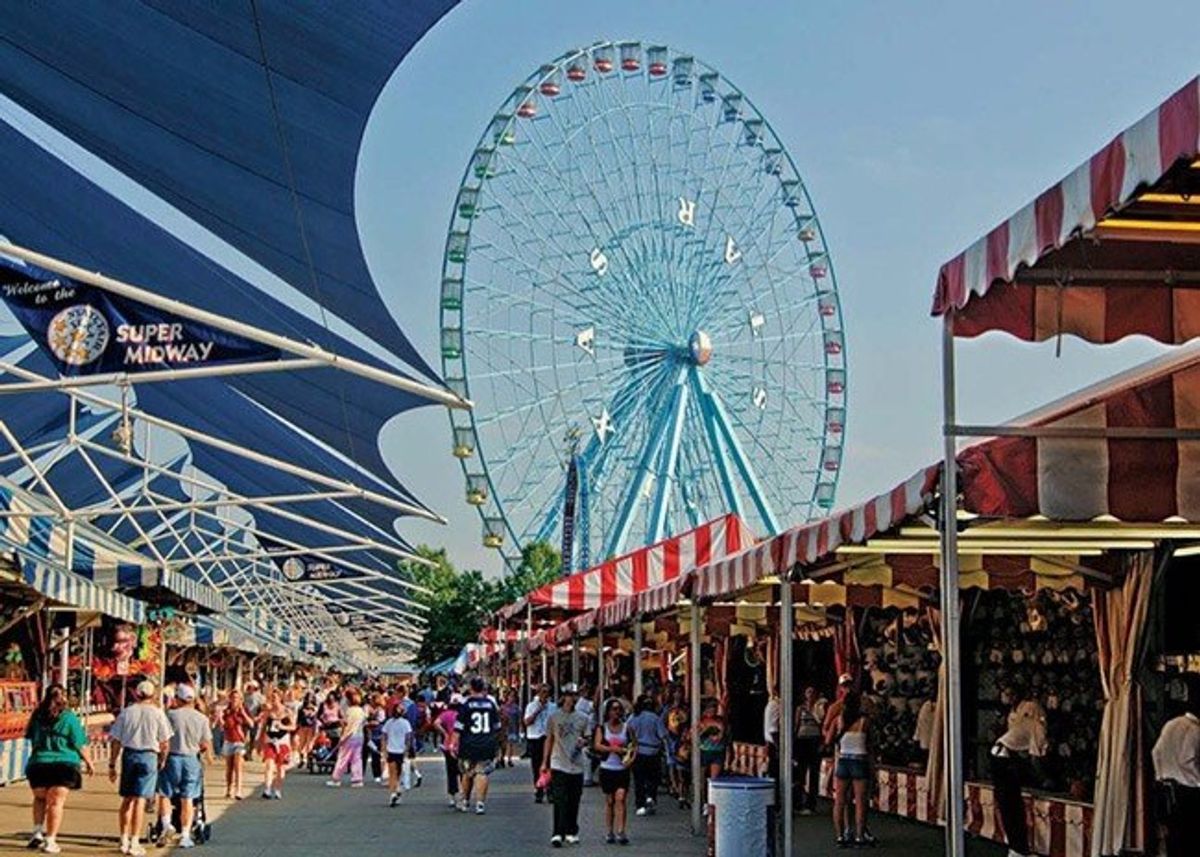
{"x":478,"y":729}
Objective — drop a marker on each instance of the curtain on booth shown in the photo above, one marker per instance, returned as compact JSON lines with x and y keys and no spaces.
{"x":1120,"y":799}
{"x":846,"y":657}
{"x":935,"y":765}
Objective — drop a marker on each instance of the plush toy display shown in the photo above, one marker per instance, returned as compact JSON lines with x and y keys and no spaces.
{"x":899,"y":676}
{"x":1039,"y":647}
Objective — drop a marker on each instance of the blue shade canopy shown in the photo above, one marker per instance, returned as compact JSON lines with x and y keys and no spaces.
{"x":46,"y":205}
{"x":246,"y":115}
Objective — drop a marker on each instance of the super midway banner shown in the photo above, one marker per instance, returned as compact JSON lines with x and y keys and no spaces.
{"x":88,"y":331}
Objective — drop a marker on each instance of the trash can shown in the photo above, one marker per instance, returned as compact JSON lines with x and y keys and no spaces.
{"x":739,"y":817}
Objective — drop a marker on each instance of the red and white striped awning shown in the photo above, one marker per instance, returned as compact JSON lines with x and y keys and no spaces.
{"x":1097,"y":255}
{"x":807,"y":543}
{"x":645,"y":567}
{"x":1136,"y":479}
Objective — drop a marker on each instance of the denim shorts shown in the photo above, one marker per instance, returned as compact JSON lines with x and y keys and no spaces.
{"x":853,"y":768}
{"x":181,"y":777}
{"x":139,"y":773}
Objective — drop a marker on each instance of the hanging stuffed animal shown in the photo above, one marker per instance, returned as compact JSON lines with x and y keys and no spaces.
{"x":14,"y":662}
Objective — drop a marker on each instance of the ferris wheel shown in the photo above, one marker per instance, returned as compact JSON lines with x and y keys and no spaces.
{"x":637,"y":295}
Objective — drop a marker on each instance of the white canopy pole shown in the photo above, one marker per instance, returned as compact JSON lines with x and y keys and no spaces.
{"x":256,"y":334}
{"x":787,"y":705}
{"x":948,"y":584}
{"x":159,"y":375}
{"x":694,"y":694}
{"x":637,"y":656}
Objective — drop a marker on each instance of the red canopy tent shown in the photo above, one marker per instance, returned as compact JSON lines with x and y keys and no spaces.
{"x":1111,"y":251}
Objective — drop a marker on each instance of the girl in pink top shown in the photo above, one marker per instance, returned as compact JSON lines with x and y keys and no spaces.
{"x":444,"y":726}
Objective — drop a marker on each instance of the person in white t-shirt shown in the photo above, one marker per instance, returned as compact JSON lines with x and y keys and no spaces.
{"x":537,"y":715}
{"x":396,"y":737}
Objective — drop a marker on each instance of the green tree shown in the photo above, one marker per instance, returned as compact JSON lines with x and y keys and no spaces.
{"x":460,"y":603}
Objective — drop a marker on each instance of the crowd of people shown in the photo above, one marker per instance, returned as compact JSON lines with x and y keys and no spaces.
{"x":160,"y":743}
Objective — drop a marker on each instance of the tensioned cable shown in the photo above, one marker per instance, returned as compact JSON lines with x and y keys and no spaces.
{"x":294,"y":195}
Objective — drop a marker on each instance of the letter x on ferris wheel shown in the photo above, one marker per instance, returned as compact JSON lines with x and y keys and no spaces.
{"x":635,"y":280}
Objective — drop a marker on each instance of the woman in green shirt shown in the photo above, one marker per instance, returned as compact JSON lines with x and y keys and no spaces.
{"x":57,"y":743}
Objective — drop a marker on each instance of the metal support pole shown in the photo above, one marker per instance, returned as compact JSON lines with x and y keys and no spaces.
{"x":600,"y":676}
{"x":526,"y":666}
{"x":64,"y":654}
{"x":637,"y":656}
{"x":953,"y":782}
{"x":694,"y":704}
{"x":575,"y":660}
{"x":545,"y":666}
{"x":787,"y":704}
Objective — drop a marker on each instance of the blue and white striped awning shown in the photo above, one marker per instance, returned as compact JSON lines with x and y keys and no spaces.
{"x":79,"y":592}
{"x":134,"y":576}
{"x":35,"y":532}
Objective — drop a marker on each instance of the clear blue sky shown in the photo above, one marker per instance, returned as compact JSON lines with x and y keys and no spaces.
{"x":917,"y":126}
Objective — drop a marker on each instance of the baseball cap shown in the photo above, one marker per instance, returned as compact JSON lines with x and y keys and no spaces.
{"x":185,"y":692}
{"x":845,"y":678}
{"x":571,"y":688}
{"x":145,"y":689}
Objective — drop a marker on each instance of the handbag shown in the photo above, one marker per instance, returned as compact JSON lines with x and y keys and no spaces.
{"x":543,"y":781}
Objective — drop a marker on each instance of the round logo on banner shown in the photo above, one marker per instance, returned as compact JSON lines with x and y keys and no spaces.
{"x":78,"y":335}
{"x":293,"y":568}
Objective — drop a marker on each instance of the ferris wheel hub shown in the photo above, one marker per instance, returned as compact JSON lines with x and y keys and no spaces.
{"x":701,"y":348}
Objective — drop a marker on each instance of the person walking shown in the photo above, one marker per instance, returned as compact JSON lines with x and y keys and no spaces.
{"x":809,"y":716}
{"x":675,"y":719}
{"x":710,"y":735}
{"x":617,"y":745}
{"x":139,"y":739}
{"x":182,"y":776}
{"x":235,"y":728}
{"x":254,"y":701}
{"x":396,"y":745}
{"x":306,"y":727}
{"x":478,"y":730}
{"x":586,"y":706}
{"x":350,"y":747}
{"x":1176,"y":757}
{"x":510,"y":714}
{"x":852,"y":770}
{"x":372,"y":735}
{"x":276,"y":725}
{"x":537,"y":715}
{"x":566,"y":738}
{"x":651,"y":736}
{"x":443,"y":728}
{"x":417,"y":714}
{"x":58,"y":749}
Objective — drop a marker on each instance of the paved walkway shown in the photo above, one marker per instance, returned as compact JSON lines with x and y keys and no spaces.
{"x":322,"y":822}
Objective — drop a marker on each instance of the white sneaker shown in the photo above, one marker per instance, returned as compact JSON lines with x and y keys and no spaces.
{"x":462,"y":806}
{"x":641,"y":810}
{"x":334,"y":784}
{"x":556,"y":841}
{"x":378,"y":780}
{"x":451,"y":802}
{"x":136,"y":850}
{"x":36,"y":841}
{"x":187,"y":842}
{"x":124,"y":845}
{"x":480,"y":809}
{"x":571,"y":839}
{"x":165,"y":836}
{"x":49,"y":846}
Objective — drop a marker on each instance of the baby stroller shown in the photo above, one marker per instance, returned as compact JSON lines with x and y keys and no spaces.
{"x":323,"y":757}
{"x":201,"y":826}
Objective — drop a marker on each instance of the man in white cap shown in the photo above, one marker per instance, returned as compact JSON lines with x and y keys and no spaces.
{"x":138,"y":739}
{"x":182,"y":776}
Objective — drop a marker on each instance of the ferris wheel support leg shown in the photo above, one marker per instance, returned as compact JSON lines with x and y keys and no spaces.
{"x":637,"y":487}
{"x":717,"y":409}
{"x":733,"y":500}
{"x":670,"y":460}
